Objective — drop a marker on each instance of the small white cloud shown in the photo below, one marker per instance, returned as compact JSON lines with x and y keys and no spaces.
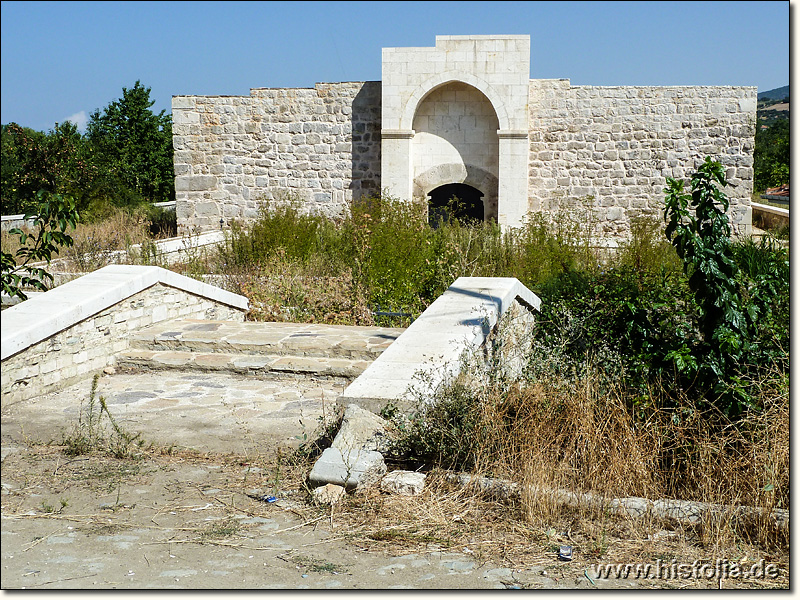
{"x":80,"y":119}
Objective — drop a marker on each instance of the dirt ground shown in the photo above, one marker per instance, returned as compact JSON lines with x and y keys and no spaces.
{"x":176,"y":517}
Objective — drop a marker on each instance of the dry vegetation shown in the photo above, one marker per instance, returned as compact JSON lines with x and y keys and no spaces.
{"x":583,"y":427}
{"x":96,"y":244}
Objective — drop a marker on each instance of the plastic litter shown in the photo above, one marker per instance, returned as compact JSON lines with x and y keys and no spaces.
{"x":264,"y":498}
{"x":565,"y":553}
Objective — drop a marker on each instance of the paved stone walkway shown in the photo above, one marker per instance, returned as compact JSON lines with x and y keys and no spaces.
{"x":261,"y":349}
{"x":207,"y":412}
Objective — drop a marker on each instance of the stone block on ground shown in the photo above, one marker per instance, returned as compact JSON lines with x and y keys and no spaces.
{"x":404,"y":483}
{"x":328,"y":494}
{"x":362,"y":430}
{"x":354,"y":469}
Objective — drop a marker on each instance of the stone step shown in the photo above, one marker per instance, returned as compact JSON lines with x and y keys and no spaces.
{"x":245,"y":364}
{"x":267,"y":339}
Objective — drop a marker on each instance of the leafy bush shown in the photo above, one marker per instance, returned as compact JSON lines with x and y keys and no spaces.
{"x":696,"y":320}
{"x":731,"y":303}
{"x":53,"y":217}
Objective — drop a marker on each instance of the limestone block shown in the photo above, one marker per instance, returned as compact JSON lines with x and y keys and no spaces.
{"x":404,"y":483}
{"x":328,"y":494}
{"x":353,"y":470}
{"x":184,"y":102}
{"x":361,"y":430}
{"x":205,"y":209}
{"x":681,"y":510}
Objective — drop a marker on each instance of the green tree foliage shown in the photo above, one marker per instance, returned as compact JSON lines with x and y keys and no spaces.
{"x":124,"y":160}
{"x":135,"y":145}
{"x":771,"y":156}
{"x":58,"y":162}
{"x":52,"y":217}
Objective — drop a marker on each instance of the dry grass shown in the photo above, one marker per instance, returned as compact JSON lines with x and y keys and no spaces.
{"x":585,"y":438}
{"x":93,"y":243}
{"x":286,"y":289}
{"x":449,"y":518}
{"x":585,"y":434}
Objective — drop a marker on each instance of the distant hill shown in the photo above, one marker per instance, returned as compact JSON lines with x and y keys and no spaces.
{"x":776,"y":94}
{"x":771,"y":107}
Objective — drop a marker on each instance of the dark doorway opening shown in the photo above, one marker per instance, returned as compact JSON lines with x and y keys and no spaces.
{"x":455,"y":201}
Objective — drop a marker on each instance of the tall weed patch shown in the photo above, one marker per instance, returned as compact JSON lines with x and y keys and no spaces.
{"x":390,"y":258}
{"x":574,"y":423}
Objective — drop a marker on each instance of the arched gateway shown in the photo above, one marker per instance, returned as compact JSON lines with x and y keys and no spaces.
{"x":459,"y":118}
{"x":455,"y":144}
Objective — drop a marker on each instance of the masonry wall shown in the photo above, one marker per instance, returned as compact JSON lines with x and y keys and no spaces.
{"x":610,"y":147}
{"x":619,"y":144}
{"x":91,"y":345}
{"x":321,"y":145}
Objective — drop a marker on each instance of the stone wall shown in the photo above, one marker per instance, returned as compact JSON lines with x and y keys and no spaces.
{"x":91,"y":344}
{"x":619,"y":144}
{"x":605,"y":149}
{"x":321,"y":146}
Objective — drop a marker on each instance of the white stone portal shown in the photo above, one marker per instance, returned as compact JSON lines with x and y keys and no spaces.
{"x":458,"y":113}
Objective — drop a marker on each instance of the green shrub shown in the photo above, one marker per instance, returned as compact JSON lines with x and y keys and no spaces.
{"x":280,"y":225}
{"x":733,"y":304}
{"x":51,"y":220}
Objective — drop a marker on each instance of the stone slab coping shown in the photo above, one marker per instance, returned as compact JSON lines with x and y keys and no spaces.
{"x":44,"y":315}
{"x":179,"y":244}
{"x":773,"y":210}
{"x":460,"y":318}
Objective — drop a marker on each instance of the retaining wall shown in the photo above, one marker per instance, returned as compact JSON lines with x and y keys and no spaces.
{"x":769,"y":217}
{"x":429,"y":352}
{"x":75,"y":330}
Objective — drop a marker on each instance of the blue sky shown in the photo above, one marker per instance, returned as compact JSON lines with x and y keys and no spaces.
{"x":62,"y":60}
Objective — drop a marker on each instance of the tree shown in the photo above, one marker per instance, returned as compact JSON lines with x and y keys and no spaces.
{"x":57,"y":162}
{"x":697,"y":226}
{"x":771,"y":156}
{"x":134,"y":144}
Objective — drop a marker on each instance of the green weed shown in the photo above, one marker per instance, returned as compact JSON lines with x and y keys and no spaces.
{"x":90,"y":433}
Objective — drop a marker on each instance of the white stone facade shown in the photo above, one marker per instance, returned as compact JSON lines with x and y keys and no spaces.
{"x":464,"y":111}
{"x":320,"y":145}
